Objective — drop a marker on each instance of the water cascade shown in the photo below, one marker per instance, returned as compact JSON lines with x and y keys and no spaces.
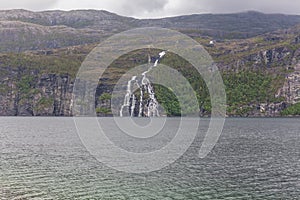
{"x":142,"y":107}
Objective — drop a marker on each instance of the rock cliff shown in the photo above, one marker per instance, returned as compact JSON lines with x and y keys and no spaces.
{"x":261,"y":72}
{"x":29,"y":93}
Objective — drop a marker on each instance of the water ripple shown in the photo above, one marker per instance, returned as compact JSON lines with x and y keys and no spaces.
{"x":254,"y":159}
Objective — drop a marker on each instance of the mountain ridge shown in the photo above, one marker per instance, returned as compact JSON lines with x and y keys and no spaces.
{"x":38,"y":63}
{"x":95,"y":25}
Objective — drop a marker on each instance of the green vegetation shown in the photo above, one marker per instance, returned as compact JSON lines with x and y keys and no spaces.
{"x":25,"y":84}
{"x":57,"y":62}
{"x":246,"y":88}
{"x":168,"y":100}
{"x":243,"y":89}
{"x":44,"y":103}
{"x":253,"y":68}
{"x":103,"y":110}
{"x":246,"y":85}
{"x":105,"y":97}
{"x":56,"y":29}
{"x":3,"y":88}
{"x":292,"y":110}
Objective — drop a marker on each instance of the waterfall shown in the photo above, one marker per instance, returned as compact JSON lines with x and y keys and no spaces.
{"x":146,"y":107}
{"x":128,"y":96}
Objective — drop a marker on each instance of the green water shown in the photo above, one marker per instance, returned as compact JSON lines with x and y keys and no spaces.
{"x":43,"y":158}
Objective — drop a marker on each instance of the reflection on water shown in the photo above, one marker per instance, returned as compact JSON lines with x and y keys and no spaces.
{"x":43,"y":158}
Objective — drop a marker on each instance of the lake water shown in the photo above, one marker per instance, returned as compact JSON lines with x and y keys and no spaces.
{"x":43,"y":158}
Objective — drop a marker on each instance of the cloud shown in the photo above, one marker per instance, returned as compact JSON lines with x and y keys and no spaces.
{"x":182,"y":7}
{"x":137,"y":8}
{"x":122,"y":7}
{"x":144,"y":6}
{"x":163,"y":8}
{"x":172,"y":8}
{"x":27,"y":4}
{"x":267,"y":6}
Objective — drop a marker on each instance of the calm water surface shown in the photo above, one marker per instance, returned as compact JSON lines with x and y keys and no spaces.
{"x":43,"y":158}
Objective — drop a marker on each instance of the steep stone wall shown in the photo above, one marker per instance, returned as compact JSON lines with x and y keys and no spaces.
{"x":28,"y":93}
{"x":291,"y":87}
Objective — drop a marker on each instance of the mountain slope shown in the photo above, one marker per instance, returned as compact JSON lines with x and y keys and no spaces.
{"x":94,"y":19}
{"x":260,"y":75}
{"x":25,"y":30}
{"x":19,"y":36}
{"x":237,"y":25}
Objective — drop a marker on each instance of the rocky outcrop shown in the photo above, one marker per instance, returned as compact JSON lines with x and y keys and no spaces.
{"x":291,"y":88}
{"x":57,"y":89}
{"x":270,"y":109}
{"x":275,"y":55}
{"x":270,"y":56}
{"x":28,"y":93}
{"x":27,"y":88}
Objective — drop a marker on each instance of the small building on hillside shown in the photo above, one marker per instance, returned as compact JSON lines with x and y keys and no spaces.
{"x":211,"y":43}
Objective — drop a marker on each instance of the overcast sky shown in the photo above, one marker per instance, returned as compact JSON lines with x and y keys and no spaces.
{"x":159,"y":8}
